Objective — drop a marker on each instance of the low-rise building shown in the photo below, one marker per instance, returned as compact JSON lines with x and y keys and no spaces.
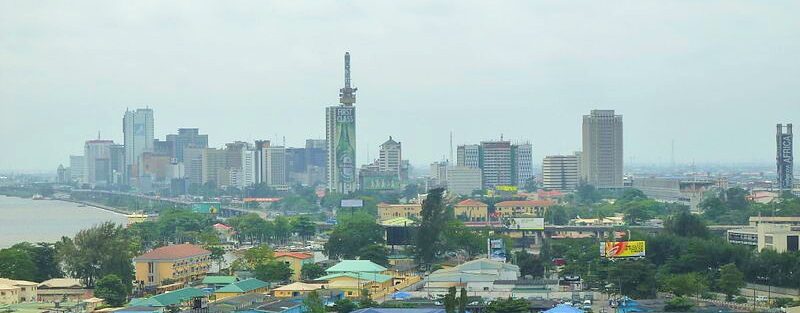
{"x":388,"y":211}
{"x":471,"y":211}
{"x":25,"y":291}
{"x":181,"y":298}
{"x":777,"y":237}
{"x":239,"y":288}
{"x":180,"y":263}
{"x":296,"y":289}
{"x":58,"y":289}
{"x":475,"y":275}
{"x":217,"y":282}
{"x":295,"y":261}
{"x":352,"y":276}
{"x":524,"y":208}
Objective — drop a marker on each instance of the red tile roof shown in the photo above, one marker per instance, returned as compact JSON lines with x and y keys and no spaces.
{"x":524,"y":203}
{"x":173,"y":252}
{"x":471,"y":202}
{"x":296,"y":255}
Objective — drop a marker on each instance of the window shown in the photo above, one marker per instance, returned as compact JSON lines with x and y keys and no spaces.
{"x":768,"y":239}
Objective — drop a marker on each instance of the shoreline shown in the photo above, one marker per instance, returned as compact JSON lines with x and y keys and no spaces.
{"x":85,"y":203}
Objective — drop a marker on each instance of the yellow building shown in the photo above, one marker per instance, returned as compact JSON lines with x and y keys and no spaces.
{"x":27,"y":290}
{"x":9,"y":294}
{"x":295,"y":261}
{"x":239,"y":288}
{"x":180,"y":263}
{"x":526,"y":208}
{"x":471,"y":211}
{"x":297,"y":289}
{"x":387,"y":211}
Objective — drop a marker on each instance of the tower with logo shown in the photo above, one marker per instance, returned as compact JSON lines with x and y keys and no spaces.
{"x":340,"y":132}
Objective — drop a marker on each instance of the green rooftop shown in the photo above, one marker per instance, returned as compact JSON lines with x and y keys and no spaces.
{"x":169,"y":298}
{"x":363,"y":276}
{"x":219,"y":280}
{"x":246,"y":285}
{"x":355,"y":266}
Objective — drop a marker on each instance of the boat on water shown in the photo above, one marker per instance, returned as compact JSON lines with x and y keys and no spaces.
{"x":37,"y":197}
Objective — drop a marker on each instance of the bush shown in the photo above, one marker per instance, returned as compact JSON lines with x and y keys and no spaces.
{"x":679,"y":304}
{"x":708,"y":296}
{"x":740,"y":300}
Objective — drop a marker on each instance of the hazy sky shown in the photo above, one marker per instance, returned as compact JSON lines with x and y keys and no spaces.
{"x":715,"y":76}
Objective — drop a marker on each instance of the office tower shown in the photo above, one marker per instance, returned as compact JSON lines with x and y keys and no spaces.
{"x":522,"y":160}
{"x":390,"y":157}
{"x":340,"y":134}
{"x":214,"y":165}
{"x":260,"y":159}
{"x":463,"y":180}
{"x":193,"y":165}
{"x":785,"y":157}
{"x":275,"y":166}
{"x":468,"y":155}
{"x":117,"y":163}
{"x":77,"y":165}
{"x":97,"y":154}
{"x":405,"y":170}
{"x":248,"y":175}
{"x":496,"y":163}
{"x":560,"y":172}
{"x":137,"y":127}
{"x":438,"y":174}
{"x":602,"y":149}
{"x":186,"y":137}
{"x":61,"y":174}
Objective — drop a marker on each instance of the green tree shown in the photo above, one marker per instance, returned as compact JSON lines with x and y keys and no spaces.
{"x":311,"y":271}
{"x":303,"y":227}
{"x":686,"y":224}
{"x":253,"y":257}
{"x":528,"y":264}
{"x":273,"y":271}
{"x":689,"y":284}
{"x":217,"y":255}
{"x":16,"y":264}
{"x":112,"y":290}
{"x":634,"y":278}
{"x":587,"y":194}
{"x":450,"y":301}
{"x":556,"y":215}
{"x":313,"y":302}
{"x":463,"y":300}
{"x":433,"y":220}
{"x":98,"y":251}
{"x":44,"y":257}
{"x":508,"y":305}
{"x":679,"y":304}
{"x":351,"y":234}
{"x":730,"y":280}
{"x":365,"y":300}
{"x":344,"y":305}
{"x":375,"y":253}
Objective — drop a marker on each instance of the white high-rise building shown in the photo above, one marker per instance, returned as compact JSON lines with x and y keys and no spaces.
{"x":137,"y":127}
{"x":560,"y":172}
{"x":468,"y":155}
{"x":77,"y":167}
{"x":602,"y":149}
{"x":97,"y":154}
{"x":463,"y":180}
{"x":390,"y":157}
{"x":522,"y":156}
{"x":248,"y":167}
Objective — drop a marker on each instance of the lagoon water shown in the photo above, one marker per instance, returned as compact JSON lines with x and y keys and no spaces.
{"x":47,"y":220}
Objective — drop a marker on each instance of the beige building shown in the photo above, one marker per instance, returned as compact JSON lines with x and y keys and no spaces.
{"x":471,"y":211}
{"x":295,"y":261}
{"x":57,"y":289}
{"x":778,"y":237}
{"x":388,"y":211}
{"x":180,"y":263}
{"x":24,"y":291}
{"x":526,"y":208}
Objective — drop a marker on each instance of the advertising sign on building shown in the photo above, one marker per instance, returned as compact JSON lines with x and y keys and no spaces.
{"x":785,"y":159}
{"x":497,"y":250}
{"x":525,"y":223}
{"x":206,"y":207}
{"x":622,"y":249}
{"x":346,"y":144}
{"x":352,"y":203}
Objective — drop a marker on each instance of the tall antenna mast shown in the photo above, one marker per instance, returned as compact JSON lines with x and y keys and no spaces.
{"x":347,"y":95}
{"x":451,"y":147}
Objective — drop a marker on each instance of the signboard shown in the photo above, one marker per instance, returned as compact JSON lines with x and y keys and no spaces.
{"x":505,"y":188}
{"x":497,"y":250}
{"x":785,"y":161}
{"x":346,"y":144}
{"x":622,"y":249}
{"x":525,"y":223}
{"x":352,"y":203}
{"x":379,"y":181}
{"x":206,"y":207}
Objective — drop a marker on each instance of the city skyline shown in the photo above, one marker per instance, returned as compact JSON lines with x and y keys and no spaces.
{"x":675,"y":84}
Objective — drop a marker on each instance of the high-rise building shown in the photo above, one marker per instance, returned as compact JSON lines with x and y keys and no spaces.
{"x":62,"y":172}
{"x":785,"y":157}
{"x":137,"y":127}
{"x":97,"y":154}
{"x":438,"y":174}
{"x":496,"y":163}
{"x":193,"y":165}
{"x":560,"y":172}
{"x":602,"y":149}
{"x":390,"y":157}
{"x":275,"y":166}
{"x":463,"y":180}
{"x":117,"y":163}
{"x":187,"y":137}
{"x":340,"y":133}
{"x":215,"y":163}
{"x":260,"y":159}
{"x":468,"y":155}
{"x":77,"y":167}
{"x":522,"y":159}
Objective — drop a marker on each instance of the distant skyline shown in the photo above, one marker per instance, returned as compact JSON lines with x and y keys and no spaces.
{"x":713,"y":76}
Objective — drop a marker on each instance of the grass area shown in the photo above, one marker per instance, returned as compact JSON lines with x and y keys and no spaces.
{"x":36,"y":307}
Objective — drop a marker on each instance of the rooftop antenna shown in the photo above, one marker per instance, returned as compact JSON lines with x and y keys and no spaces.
{"x":98,"y":135}
{"x":347,"y":95}
{"x":284,"y":141}
{"x":451,"y":146}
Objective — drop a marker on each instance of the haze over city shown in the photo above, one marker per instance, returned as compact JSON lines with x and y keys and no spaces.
{"x":714,"y":76}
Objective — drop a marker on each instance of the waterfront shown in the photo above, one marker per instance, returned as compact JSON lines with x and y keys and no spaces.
{"x":46,"y":220}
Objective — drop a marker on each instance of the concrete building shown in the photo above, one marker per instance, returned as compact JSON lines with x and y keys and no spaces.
{"x":389,"y":211}
{"x":193,"y":165}
{"x":182,"y":263}
{"x":777,"y":237}
{"x":785,"y":157}
{"x":137,"y":127}
{"x":524,"y":208}
{"x":97,"y":154}
{"x":295,"y":261}
{"x":674,"y":190}
{"x":496,"y":163}
{"x":390,"y":157}
{"x":275,"y":167}
{"x":77,"y":168}
{"x":340,"y":135}
{"x":62,"y":174}
{"x":560,"y":172}
{"x":214,"y":164}
{"x":475,"y":276}
{"x":468,"y":155}
{"x":602,"y":149}
{"x":471,"y":211}
{"x":522,"y":160}
{"x":17,"y":291}
{"x":438,"y":175}
{"x":306,"y":166}
{"x":117,"y":163}
{"x":186,"y":137}
{"x":59,"y":289}
{"x":463,"y":180}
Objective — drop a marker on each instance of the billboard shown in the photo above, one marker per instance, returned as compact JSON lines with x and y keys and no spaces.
{"x":497,"y":250}
{"x":352,"y":203}
{"x":506,"y":188}
{"x":206,"y":207}
{"x":622,"y":249}
{"x":785,"y":158}
{"x":346,"y":144}
{"x":525,"y":223}
{"x":379,"y":181}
